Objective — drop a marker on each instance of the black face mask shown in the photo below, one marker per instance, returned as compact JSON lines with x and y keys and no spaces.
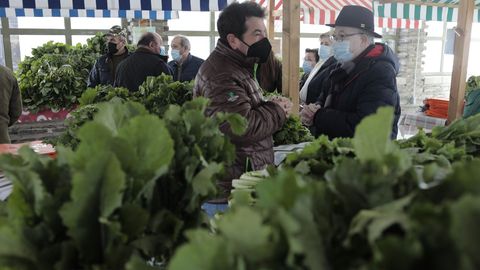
{"x":112,"y":48}
{"x":260,"y":49}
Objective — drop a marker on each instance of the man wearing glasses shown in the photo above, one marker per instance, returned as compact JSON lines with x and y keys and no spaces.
{"x":362,"y":80}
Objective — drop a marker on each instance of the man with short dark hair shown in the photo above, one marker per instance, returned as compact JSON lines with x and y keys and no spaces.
{"x":10,"y":102}
{"x":103,"y":71}
{"x":363,"y":80}
{"x":309,"y":61}
{"x":184,"y":65}
{"x":145,"y":61}
{"x":227,"y":79}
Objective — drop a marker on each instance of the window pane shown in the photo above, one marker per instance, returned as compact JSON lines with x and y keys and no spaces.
{"x":2,"y":54}
{"x":37,"y":22}
{"x":473,"y":63}
{"x":432,"y":56}
{"x":434,"y":29}
{"x":190,"y":20}
{"x":476,"y":31}
{"x":200,"y":46}
{"x":28,"y":42}
{"x":94,"y":23}
{"x":80,"y":39}
{"x":447,"y":63}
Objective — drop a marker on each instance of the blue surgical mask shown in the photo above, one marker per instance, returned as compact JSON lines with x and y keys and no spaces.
{"x":176,"y":55}
{"x":307,"y":66}
{"x":324,"y":52}
{"x":162,"y":51}
{"x":341,"y":51}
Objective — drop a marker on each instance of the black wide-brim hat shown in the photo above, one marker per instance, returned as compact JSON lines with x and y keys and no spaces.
{"x":356,"y":17}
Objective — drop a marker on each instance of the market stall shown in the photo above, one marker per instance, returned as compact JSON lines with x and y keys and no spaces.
{"x":463,"y":12}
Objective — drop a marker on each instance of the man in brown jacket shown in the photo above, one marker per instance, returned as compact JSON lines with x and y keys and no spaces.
{"x":227,"y":79}
{"x":10,"y":102}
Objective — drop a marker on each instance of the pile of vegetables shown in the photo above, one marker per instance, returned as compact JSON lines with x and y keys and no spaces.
{"x":156,"y":94}
{"x":292,"y":132}
{"x":56,"y":74}
{"x":125,"y":196}
{"x":368,"y":205}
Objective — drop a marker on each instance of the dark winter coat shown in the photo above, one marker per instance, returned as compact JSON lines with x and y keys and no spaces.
{"x":187,"y":70}
{"x":101,"y":72}
{"x":356,"y":89}
{"x":227,"y":79}
{"x":10,"y":102}
{"x":134,"y":70}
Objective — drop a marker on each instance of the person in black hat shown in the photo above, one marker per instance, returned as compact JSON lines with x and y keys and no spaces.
{"x":103,"y":71}
{"x":360,"y":78}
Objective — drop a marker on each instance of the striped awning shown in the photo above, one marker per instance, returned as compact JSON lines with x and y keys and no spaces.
{"x":139,"y":9}
{"x":326,"y":11}
{"x":433,"y":10}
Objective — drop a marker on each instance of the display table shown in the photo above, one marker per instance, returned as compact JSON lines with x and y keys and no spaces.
{"x":409,"y":124}
{"x":44,"y":115}
{"x":281,"y":151}
{"x":37,"y":146}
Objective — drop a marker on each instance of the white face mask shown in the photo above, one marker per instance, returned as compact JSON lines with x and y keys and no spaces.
{"x":341,"y":51}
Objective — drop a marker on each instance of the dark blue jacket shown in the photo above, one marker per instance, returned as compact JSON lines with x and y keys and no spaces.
{"x":188,"y":70}
{"x":101,"y":73}
{"x":133,"y":71}
{"x":347,"y":97}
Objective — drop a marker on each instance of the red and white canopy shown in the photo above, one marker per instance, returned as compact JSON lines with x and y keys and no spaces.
{"x":326,"y":11}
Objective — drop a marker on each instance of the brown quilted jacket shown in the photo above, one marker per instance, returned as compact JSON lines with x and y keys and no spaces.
{"x":226,"y":78}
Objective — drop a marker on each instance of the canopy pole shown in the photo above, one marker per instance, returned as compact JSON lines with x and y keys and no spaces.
{"x":290,"y":51}
{"x":271,"y":20}
{"x":460,"y":60}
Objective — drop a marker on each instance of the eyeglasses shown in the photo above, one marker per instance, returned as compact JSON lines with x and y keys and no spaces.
{"x":341,"y":37}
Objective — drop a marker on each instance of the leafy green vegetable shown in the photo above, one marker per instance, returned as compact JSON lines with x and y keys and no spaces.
{"x":292,"y":132}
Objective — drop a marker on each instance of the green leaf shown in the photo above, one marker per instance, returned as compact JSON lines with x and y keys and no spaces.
{"x":96,"y":192}
{"x":372,"y":135}
{"x":245,"y":232}
{"x":151,"y":147}
{"x":238,"y":124}
{"x":464,"y":229}
{"x":115,"y":114}
{"x":204,"y":251}
{"x":137,"y":263}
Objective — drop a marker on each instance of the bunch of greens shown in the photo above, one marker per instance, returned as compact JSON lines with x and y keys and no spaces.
{"x":292,"y":132}
{"x":102,"y":93}
{"x":54,"y":76}
{"x":371,"y":211}
{"x":124,"y":196}
{"x":157,"y":93}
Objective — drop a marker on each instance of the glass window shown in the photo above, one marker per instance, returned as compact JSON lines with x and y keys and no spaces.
{"x":80,"y":39}
{"x":94,"y":23}
{"x":447,"y":63}
{"x":473,"y":63}
{"x":37,"y":22}
{"x":27,"y":42}
{"x":2,"y":54}
{"x":190,"y":20}
{"x":476,"y":31}
{"x":432,"y":56}
{"x":200,"y":46}
{"x":434,"y":29}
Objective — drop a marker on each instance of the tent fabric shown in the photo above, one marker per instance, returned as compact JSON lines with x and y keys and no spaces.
{"x":163,"y":5}
{"x":446,"y":13}
{"x":137,"y":9}
{"x":128,"y":14}
{"x":326,"y":11}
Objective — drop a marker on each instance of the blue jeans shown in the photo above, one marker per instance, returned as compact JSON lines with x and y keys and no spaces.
{"x":212,"y":208}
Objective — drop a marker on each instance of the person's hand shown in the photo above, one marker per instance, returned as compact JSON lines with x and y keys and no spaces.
{"x":283,"y":102}
{"x":308,"y":112}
